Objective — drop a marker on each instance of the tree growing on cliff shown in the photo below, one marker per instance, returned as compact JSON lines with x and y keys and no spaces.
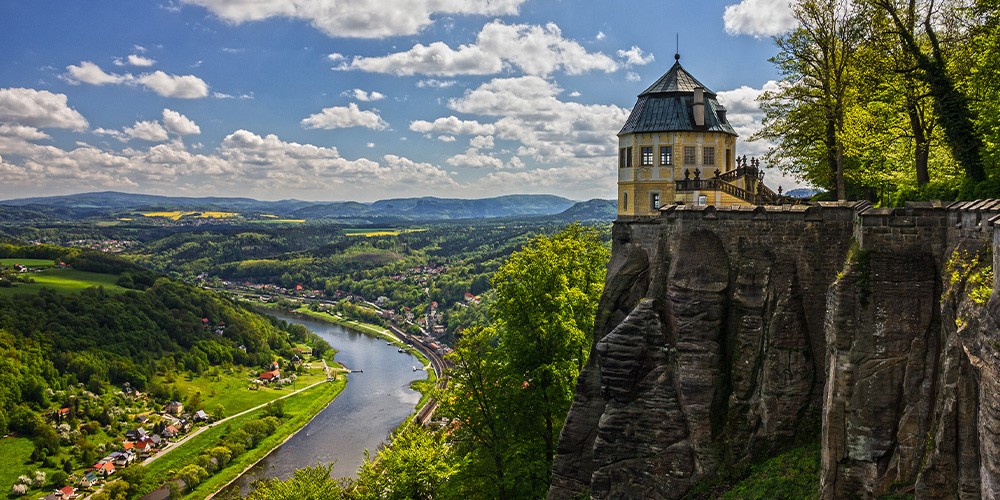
{"x":805,"y":116}
{"x":514,"y":380}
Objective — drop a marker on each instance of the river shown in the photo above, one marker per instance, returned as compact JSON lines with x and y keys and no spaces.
{"x":371,"y":405}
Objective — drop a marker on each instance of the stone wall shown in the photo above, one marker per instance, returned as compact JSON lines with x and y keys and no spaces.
{"x":727,"y":336}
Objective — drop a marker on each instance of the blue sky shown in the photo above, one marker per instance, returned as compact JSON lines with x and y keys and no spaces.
{"x":354,"y":99}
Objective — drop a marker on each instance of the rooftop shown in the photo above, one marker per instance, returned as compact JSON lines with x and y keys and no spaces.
{"x":666,"y":106}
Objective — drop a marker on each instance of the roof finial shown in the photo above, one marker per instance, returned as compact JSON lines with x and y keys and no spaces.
{"x":677,"y":53}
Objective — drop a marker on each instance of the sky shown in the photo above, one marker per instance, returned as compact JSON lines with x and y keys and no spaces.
{"x":356,"y":99}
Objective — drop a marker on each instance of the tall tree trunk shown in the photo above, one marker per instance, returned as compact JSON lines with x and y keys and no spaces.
{"x":831,"y":155}
{"x":951,"y":106}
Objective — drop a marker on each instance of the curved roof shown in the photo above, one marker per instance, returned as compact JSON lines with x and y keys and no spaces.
{"x":666,"y":106}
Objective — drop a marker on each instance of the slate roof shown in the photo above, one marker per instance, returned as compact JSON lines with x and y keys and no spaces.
{"x":666,"y":106}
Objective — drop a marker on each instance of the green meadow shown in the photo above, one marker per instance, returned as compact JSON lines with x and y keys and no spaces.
{"x":63,"y":281}
{"x":36,"y":263}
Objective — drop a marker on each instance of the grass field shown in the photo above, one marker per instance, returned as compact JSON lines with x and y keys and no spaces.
{"x":64,"y":281}
{"x":15,"y":452}
{"x":379,"y":231}
{"x":231,"y":389}
{"x":301,"y":408}
{"x":282,"y":221}
{"x":36,"y":263}
{"x":177,"y":215}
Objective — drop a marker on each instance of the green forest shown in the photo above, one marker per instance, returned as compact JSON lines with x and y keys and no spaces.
{"x":888,"y":101}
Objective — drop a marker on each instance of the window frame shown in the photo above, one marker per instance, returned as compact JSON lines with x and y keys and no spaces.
{"x":666,"y":155}
{"x":690,"y":155}
{"x":706,"y":152}
{"x":654,"y":201}
{"x":646,"y":156}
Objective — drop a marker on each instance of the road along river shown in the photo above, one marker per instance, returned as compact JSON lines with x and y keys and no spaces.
{"x":371,"y":405}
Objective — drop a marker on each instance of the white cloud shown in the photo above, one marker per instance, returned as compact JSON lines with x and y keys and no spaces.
{"x":434,"y":59}
{"x":150,"y":131}
{"x":635,"y":56}
{"x":344,"y":117}
{"x":363,"y":96}
{"x":744,"y":114}
{"x":222,"y":95}
{"x":534,"y":50}
{"x":759,"y":17}
{"x":436,"y":84}
{"x":446,"y":138}
{"x":182,"y":87}
{"x":370,"y":145}
{"x":179,"y":124}
{"x":452,"y":125}
{"x":179,"y":86}
{"x":633,"y":77}
{"x":139,"y":48}
{"x":90,"y":73}
{"x":472,"y":158}
{"x":589,"y":178}
{"x":38,"y":108}
{"x":529,"y":112}
{"x":574,"y":93}
{"x":22,"y":132}
{"x":482,"y":142}
{"x":600,"y":35}
{"x":136,"y":60}
{"x":358,"y":18}
{"x":244,"y":163}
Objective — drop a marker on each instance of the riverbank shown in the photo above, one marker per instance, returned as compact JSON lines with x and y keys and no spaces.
{"x":365,"y":328}
{"x":301,"y":408}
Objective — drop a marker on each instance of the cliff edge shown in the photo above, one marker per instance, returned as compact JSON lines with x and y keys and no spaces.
{"x":725,"y":337}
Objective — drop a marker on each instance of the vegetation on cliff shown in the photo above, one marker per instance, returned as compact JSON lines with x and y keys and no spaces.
{"x":889,"y":100}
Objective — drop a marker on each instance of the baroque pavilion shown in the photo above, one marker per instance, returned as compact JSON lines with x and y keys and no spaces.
{"x":677,"y":147}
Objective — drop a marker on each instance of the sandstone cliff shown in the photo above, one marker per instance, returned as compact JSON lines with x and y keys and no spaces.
{"x":727,"y":336}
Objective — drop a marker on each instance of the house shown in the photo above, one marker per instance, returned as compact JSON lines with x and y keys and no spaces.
{"x":136,"y":434}
{"x":127,"y":445}
{"x":200,"y":416}
{"x":66,"y":492}
{"x":141,"y":419}
{"x":104,"y":468}
{"x":143,"y":447}
{"x":677,"y":146}
{"x":174,"y":408}
{"x":123,"y":458}
{"x":88,"y":480}
{"x":169,"y":432}
{"x":269,"y":376}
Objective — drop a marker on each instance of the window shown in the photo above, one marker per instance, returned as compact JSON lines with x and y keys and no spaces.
{"x":625,"y":200}
{"x":666,"y":155}
{"x":708,"y":155}
{"x":702,"y":200}
{"x":654,"y":201}
{"x":647,"y":156}
{"x":628,"y":157}
{"x":621,"y":158}
{"x":689,"y":155}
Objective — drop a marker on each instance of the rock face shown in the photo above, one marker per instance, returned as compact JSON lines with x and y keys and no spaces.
{"x":725,"y":337}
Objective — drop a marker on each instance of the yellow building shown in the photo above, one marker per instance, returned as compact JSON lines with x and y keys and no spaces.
{"x":678,"y":147}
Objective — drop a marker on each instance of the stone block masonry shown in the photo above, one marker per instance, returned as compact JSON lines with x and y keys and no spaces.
{"x":728,"y":335}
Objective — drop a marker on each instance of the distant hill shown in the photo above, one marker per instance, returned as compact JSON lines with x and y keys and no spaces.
{"x":803,"y":193}
{"x":114,"y":200}
{"x":78,"y":206}
{"x":590,"y":210}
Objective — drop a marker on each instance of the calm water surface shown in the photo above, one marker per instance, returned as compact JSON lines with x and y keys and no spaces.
{"x":373,"y":404}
